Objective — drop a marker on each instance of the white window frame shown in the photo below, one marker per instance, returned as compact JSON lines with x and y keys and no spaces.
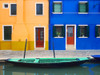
{"x":43,"y":8}
{"x":4,"y":4}
{"x":99,"y":26}
{"x":66,"y":45}
{"x":62,"y":8}
{"x":10,"y":9}
{"x":3,"y":32}
{"x":78,"y":7}
{"x":85,"y":36}
{"x":59,"y":25}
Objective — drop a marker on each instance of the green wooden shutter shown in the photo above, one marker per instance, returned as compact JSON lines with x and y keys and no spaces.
{"x":78,"y":31}
{"x":63,"y":31}
{"x":53,"y":7}
{"x":87,"y":31}
{"x":54,"y":31}
{"x":79,"y":7}
{"x":86,"y":7}
{"x":96,"y":31}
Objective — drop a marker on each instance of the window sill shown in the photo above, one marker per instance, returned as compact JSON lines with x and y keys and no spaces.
{"x":58,"y":37}
{"x":82,"y":12}
{"x":13,"y":15}
{"x":7,"y":40}
{"x":82,"y":37}
{"x":98,"y":37}
{"x":57,"y":12}
{"x":5,"y":8}
{"x":39,"y":15}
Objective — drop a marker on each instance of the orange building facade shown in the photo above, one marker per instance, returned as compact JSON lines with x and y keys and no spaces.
{"x":24,"y":19}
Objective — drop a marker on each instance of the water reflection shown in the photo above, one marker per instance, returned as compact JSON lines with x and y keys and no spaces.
{"x":85,"y":69}
{"x":96,"y":70}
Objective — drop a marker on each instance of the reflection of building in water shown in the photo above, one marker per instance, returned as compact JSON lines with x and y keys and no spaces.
{"x":15,"y":70}
{"x":1,"y":72}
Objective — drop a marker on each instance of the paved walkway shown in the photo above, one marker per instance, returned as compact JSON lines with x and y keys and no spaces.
{"x":5,"y":54}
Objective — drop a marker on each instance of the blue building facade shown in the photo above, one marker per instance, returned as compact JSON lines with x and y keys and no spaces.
{"x":74,"y":24}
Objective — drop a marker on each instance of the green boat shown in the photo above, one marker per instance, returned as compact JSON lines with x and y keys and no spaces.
{"x":48,"y":62}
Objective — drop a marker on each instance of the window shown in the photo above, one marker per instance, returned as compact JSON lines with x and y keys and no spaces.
{"x":58,"y":31}
{"x":83,"y":7}
{"x":97,"y":31}
{"x":57,"y":7}
{"x":7,"y":30}
{"x":70,"y":31}
{"x":13,"y":11}
{"x":83,"y":31}
{"x":5,"y":5}
{"x":39,"y":9}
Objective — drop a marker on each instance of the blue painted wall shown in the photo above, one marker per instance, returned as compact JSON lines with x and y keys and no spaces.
{"x":70,"y":16}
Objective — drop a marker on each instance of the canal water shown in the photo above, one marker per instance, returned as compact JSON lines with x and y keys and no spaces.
{"x":84,"y":69}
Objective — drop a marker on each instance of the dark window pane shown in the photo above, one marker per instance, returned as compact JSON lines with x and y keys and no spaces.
{"x":70,"y":31}
{"x":39,"y":9}
{"x":42,"y":34}
{"x":7,"y":32}
{"x":99,"y":31}
{"x":13,"y":9}
{"x":83,"y":31}
{"x":36,"y":33}
{"x":6,"y":5}
{"x":58,"y":31}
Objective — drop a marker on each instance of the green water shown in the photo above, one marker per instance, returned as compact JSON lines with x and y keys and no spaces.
{"x":85,"y":69}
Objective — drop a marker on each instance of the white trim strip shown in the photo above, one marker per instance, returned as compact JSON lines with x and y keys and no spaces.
{"x":98,"y":25}
{"x":57,"y":1}
{"x":58,"y":25}
{"x":83,"y":25}
{"x":82,"y":37}
{"x":57,"y":12}
{"x":82,"y":12}
{"x":58,"y":37}
{"x":98,"y":37}
{"x":83,"y":1}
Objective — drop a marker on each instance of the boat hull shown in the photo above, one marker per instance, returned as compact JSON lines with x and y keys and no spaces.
{"x":61,"y":64}
{"x":96,"y":57}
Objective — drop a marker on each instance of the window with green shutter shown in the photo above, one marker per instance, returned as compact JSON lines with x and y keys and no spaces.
{"x":97,"y":31}
{"x":7,"y":32}
{"x":83,"y":7}
{"x":83,"y":31}
{"x":57,"y":7}
{"x":58,"y":31}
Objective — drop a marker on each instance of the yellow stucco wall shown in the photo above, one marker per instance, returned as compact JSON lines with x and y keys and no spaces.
{"x":23,"y":24}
